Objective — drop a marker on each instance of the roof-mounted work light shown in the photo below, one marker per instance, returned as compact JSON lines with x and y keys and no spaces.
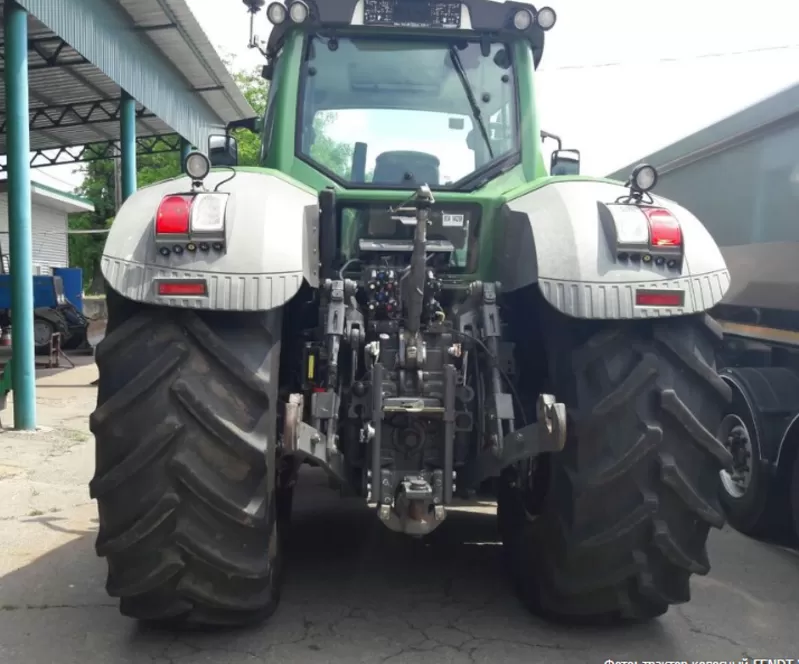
{"x":546,"y":18}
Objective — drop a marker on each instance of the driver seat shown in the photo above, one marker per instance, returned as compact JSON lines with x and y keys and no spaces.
{"x":402,"y":167}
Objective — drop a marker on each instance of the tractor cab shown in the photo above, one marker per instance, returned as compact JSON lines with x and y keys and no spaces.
{"x":396,"y":94}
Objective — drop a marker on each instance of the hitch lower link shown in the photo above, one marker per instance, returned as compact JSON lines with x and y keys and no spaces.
{"x":546,"y":434}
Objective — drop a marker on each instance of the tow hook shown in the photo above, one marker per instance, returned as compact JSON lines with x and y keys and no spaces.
{"x":413,"y":512}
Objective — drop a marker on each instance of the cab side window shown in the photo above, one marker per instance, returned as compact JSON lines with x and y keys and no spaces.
{"x":501,"y":129}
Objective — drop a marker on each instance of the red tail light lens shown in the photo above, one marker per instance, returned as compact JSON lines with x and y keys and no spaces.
{"x":172,"y":217}
{"x":182,"y":288}
{"x":659,"y":298}
{"x":664,"y":229}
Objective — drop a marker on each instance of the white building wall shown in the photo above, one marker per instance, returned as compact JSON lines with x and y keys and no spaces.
{"x":50,"y":247}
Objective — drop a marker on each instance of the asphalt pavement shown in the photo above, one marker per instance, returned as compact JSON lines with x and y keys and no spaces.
{"x":355,"y":593}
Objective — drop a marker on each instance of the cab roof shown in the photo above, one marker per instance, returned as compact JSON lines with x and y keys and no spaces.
{"x":487,"y":17}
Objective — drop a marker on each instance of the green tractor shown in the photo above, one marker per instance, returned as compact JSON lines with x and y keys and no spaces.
{"x":407,"y":296}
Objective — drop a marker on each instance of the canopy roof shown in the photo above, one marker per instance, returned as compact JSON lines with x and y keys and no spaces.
{"x":154,"y":49}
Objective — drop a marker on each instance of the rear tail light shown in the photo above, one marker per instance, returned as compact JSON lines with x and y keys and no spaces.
{"x":201,"y":215}
{"x":183,"y":288}
{"x":664,"y":229}
{"x":173,"y":216}
{"x":659,"y":298}
{"x":645,"y":233}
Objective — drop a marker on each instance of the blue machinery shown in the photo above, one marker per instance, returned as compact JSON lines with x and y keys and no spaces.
{"x":57,"y":308}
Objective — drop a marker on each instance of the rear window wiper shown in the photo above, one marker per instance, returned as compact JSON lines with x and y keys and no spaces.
{"x":467,"y":88}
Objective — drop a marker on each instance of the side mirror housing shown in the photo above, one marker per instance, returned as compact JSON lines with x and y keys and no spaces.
{"x":223,"y":150}
{"x":565,"y":162}
{"x":254,"y":124}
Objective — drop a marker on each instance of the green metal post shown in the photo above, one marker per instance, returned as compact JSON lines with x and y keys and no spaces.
{"x":19,"y":215}
{"x":127,"y":141}
{"x":185,"y":148}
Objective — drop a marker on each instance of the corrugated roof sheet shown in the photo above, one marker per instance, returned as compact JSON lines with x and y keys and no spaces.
{"x":59,"y":76}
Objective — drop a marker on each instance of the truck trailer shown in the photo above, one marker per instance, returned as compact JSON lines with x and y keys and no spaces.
{"x":740,"y":176}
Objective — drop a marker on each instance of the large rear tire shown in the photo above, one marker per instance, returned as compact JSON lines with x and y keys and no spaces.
{"x":185,"y":430}
{"x":629,"y":502}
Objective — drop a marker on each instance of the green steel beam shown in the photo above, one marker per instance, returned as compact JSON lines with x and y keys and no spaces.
{"x":15,"y":21}
{"x":127,"y":144}
{"x":76,"y":154}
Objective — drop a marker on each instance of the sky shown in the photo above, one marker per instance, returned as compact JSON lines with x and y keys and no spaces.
{"x":616,"y":81}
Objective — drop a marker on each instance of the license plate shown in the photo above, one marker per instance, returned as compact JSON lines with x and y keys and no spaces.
{"x":413,"y":13}
{"x":453,"y":220}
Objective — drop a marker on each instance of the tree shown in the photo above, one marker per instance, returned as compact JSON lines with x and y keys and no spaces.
{"x":255,"y":90}
{"x":85,"y":250}
{"x":333,"y":154}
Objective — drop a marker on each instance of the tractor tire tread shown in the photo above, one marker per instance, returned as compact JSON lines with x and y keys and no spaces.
{"x":639,"y":478}
{"x":183,"y":473}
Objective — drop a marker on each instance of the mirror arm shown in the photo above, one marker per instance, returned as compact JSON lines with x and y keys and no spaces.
{"x":545,"y":135}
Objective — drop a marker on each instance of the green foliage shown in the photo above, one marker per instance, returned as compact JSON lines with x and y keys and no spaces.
{"x":334,"y":155}
{"x":255,"y":90}
{"x":85,"y":250}
{"x":152,"y":168}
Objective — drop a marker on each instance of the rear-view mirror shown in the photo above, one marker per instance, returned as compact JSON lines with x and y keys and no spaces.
{"x":223,"y":150}
{"x":565,"y":162}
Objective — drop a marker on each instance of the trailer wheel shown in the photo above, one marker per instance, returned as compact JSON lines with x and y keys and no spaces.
{"x":46,"y":322}
{"x":751,"y":498}
{"x":631,"y":499}
{"x":185,"y":463}
{"x":43,"y":331}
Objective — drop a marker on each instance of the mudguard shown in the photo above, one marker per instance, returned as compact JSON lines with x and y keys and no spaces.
{"x":553,"y":236}
{"x":271,"y":229}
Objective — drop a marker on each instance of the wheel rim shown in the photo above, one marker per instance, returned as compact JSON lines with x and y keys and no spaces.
{"x":738,"y":440}
{"x":42,"y":332}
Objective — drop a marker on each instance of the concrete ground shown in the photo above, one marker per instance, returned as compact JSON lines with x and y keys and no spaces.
{"x":355,"y":593}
